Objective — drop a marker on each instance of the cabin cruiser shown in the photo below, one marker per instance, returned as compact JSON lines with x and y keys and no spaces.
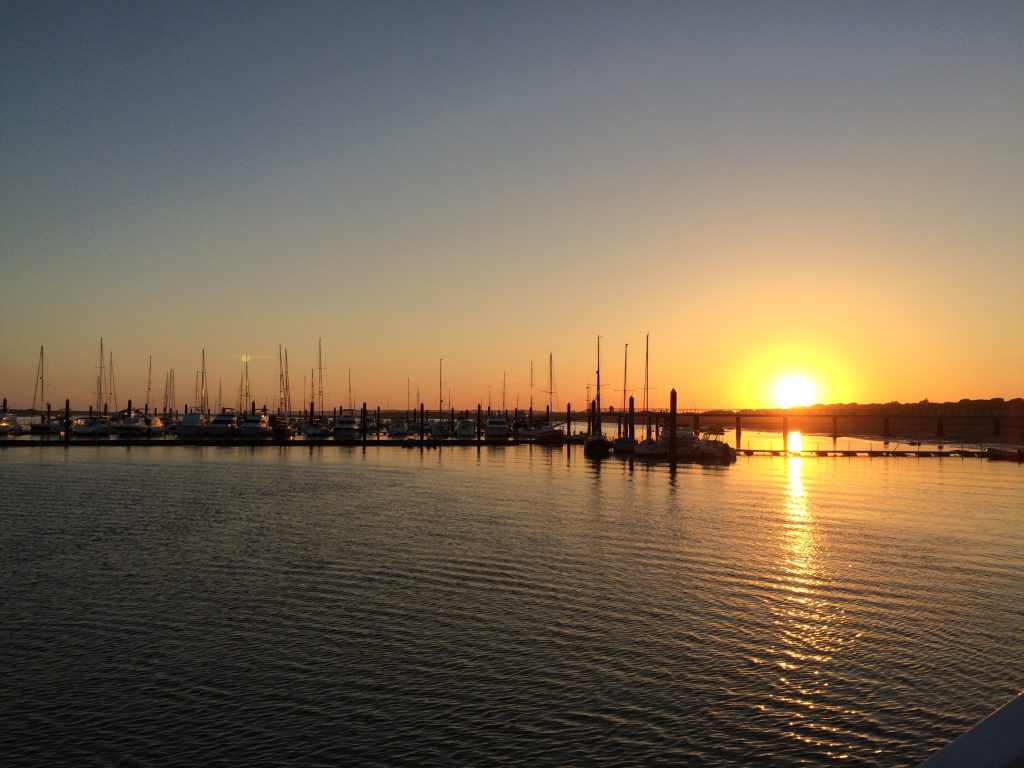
{"x":224,"y":424}
{"x":496,"y":429}
{"x":9,"y":426}
{"x":90,"y":426}
{"x":398,"y":428}
{"x":438,"y":429}
{"x":465,"y":430}
{"x":346,"y":428}
{"x":315,"y":429}
{"x":255,"y":425}
{"x":192,"y":424}
{"x":137,"y":424}
{"x":548,"y":434}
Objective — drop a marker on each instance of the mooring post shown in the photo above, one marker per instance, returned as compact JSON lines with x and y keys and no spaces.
{"x":423,"y":422}
{"x":785,"y":434}
{"x":631,"y":433}
{"x":739,"y":431}
{"x":376,"y":424}
{"x":362,"y":423}
{"x":129,"y":406}
{"x":479,"y":421}
{"x":67,"y":420}
{"x":672,"y":425}
{"x":568,"y":418}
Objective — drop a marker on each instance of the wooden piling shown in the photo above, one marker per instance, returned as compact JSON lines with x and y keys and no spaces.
{"x":631,"y":429}
{"x":362,"y":423}
{"x":67,"y":420}
{"x":672,"y":425}
{"x":423,"y":422}
{"x":785,"y":434}
{"x":739,"y":431}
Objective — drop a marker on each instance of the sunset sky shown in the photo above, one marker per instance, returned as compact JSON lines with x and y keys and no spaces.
{"x":832,"y":191}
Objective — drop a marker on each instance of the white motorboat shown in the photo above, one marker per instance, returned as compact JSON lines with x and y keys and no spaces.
{"x":255,"y":425}
{"x":90,"y":426}
{"x":136,"y":424}
{"x":398,"y":428}
{"x":438,"y":429}
{"x":465,"y":430}
{"x":314,"y":430}
{"x":346,"y":428}
{"x":192,"y":424}
{"x":9,"y":425}
{"x":223,"y":424}
{"x":496,"y":429}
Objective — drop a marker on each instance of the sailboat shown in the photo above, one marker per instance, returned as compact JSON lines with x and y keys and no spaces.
{"x":596,"y":443}
{"x":193,"y":423}
{"x":648,"y":447}
{"x":625,"y":443}
{"x":547,"y":433}
{"x":94,"y":425}
{"x":45,"y":426}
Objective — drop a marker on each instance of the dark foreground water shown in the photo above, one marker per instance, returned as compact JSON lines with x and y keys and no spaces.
{"x":461,"y":606}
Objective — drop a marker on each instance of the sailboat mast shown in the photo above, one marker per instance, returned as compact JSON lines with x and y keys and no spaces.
{"x":39,"y":382}
{"x":112,"y":389}
{"x":440,"y":394}
{"x":149,"y":382}
{"x":287,"y":387}
{"x":647,"y":360}
{"x":99,"y":382}
{"x":204,"y":395}
{"x":597,"y":427}
{"x":320,"y":372}
{"x":625,"y":376}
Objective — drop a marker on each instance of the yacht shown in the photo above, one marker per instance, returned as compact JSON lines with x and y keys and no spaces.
{"x":255,"y":425}
{"x":548,"y":434}
{"x":438,"y":429}
{"x":9,"y":426}
{"x":138,"y":424}
{"x":90,"y":426}
{"x":192,"y":424}
{"x":224,"y":424}
{"x":346,"y":428}
{"x":314,"y":430}
{"x":465,"y":430}
{"x":398,"y":428}
{"x":496,"y":429}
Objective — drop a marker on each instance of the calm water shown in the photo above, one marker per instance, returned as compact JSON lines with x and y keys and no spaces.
{"x":464,"y":606}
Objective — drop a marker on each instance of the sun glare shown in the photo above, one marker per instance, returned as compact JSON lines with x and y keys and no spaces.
{"x":794,"y":390}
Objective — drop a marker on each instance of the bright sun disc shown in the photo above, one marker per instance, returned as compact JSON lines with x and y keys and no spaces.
{"x":790,"y":391}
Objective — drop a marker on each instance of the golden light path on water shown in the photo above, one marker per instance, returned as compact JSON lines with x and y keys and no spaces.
{"x":809,"y":624}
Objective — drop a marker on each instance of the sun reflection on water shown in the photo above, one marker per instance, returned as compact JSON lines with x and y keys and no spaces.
{"x":807,"y":621}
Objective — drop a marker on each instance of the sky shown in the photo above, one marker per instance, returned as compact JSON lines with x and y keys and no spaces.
{"x":825,"y":191}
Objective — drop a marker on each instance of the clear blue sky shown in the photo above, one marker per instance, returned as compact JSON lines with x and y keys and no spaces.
{"x":831,"y":188}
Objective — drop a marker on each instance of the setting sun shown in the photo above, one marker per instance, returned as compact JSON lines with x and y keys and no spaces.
{"x":793,"y":390}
